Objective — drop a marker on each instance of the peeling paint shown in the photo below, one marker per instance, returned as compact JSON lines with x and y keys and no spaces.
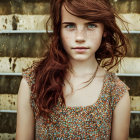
{"x":135,"y":103}
{"x":6,"y":136}
{"x":6,"y":20}
{"x":14,"y":65}
{"x":14,"y":22}
{"x":130,"y":65}
{"x":10,"y":60}
{"x":38,"y":22}
{"x":8,"y":102}
{"x":4,"y":27}
{"x":133,"y":83}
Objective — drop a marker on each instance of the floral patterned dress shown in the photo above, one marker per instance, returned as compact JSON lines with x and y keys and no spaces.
{"x":91,"y":122}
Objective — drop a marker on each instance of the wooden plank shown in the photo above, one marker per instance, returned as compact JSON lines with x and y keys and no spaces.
{"x":38,"y":22}
{"x":9,"y":84}
{"x":22,"y":45}
{"x":42,"y":6}
{"x":16,"y":65}
{"x":134,"y":130}
{"x":9,"y":102}
{"x":134,"y":48}
{"x":21,"y":22}
{"x":133,"y":83}
{"x":133,"y":21}
{"x":31,"y":44}
{"x":130,"y":65}
{"x":135,"y":103}
{"x":126,"y":6}
{"x":8,"y":124}
{"x":133,"y":138}
{"x":35,"y":7}
{"x":7,"y":136}
{"x":13,"y":64}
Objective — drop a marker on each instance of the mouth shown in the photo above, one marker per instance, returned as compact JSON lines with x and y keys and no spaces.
{"x":80,"y":49}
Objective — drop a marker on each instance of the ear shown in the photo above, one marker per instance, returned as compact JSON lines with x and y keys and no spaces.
{"x":104,"y":34}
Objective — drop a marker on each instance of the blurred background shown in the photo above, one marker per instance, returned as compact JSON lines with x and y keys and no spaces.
{"x":22,"y":26}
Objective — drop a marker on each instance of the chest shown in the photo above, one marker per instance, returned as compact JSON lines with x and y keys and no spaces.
{"x":83,"y":123}
{"x":80,"y":93}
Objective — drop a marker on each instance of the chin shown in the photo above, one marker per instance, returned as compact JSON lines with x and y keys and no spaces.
{"x":80,"y":58}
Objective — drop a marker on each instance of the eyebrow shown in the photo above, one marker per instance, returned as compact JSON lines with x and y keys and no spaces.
{"x":68,"y":23}
{"x":74,"y":23}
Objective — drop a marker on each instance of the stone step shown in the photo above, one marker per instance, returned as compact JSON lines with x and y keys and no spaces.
{"x":133,"y":83}
{"x":35,"y":12}
{"x":10,"y":84}
{"x":129,"y":65}
{"x":14,"y":64}
{"x":134,"y":130}
{"x":134,"y":48}
{"x":21,"y":22}
{"x":135,"y":103}
{"x":8,"y":124}
{"x":23,"y":7}
{"x":32,"y":45}
{"x":22,"y":45}
{"x":38,"y":22}
{"x":9,"y":102}
{"x":42,"y":6}
{"x":7,"y":136}
{"x":126,"y":6}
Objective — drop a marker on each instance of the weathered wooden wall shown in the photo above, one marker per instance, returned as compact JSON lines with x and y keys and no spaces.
{"x":22,"y":25}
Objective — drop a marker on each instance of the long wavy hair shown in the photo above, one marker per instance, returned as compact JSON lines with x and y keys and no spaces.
{"x":50,"y":72}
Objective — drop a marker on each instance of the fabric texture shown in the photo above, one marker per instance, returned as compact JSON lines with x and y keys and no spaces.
{"x":89,"y":122}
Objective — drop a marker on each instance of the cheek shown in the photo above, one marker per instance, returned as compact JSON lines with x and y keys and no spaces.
{"x":66,"y":39}
{"x":96,"y":38}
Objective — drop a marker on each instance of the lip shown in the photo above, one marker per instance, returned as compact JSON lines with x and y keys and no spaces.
{"x":80,"y":49}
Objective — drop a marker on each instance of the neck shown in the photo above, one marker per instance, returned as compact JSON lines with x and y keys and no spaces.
{"x":83,"y":68}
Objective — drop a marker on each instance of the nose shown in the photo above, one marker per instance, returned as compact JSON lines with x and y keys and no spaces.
{"x":80,"y":36}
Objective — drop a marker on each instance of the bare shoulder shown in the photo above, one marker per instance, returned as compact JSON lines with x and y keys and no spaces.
{"x":124,"y":101}
{"x":121,"y":118}
{"x":24,"y":84}
{"x":24,"y":91}
{"x":25,"y":116}
{"x":123,"y":106}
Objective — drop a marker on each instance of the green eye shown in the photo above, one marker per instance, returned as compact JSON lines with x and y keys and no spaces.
{"x":70,"y":26}
{"x":91,"y":26}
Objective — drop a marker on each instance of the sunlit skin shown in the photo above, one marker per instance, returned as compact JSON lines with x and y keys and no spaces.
{"x":77,"y":32}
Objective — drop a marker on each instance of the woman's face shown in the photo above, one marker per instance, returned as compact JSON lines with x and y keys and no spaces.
{"x":80,"y":38}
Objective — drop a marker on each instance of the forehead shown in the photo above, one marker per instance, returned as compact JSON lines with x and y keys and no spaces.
{"x":67,"y":17}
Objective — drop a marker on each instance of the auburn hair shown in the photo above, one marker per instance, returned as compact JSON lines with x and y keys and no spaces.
{"x":50,"y":72}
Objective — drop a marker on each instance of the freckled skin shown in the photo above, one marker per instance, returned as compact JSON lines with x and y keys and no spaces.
{"x":80,"y":32}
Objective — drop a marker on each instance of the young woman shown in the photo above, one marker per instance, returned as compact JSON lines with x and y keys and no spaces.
{"x":70,"y":94}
